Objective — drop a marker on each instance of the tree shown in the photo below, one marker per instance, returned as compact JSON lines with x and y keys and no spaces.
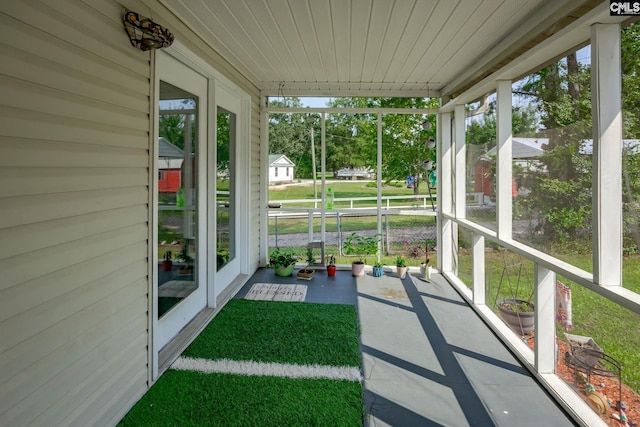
{"x":172,"y":129}
{"x":290,"y":134}
{"x":561,"y":194}
{"x":348,"y":136}
{"x":404,"y":148}
{"x":630,"y":52}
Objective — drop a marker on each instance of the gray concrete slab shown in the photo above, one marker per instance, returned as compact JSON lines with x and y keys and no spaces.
{"x":429,"y":360}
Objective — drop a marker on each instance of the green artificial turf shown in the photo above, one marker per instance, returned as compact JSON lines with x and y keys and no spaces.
{"x":283,"y":332}
{"x":265,"y":331}
{"x":182,"y":398}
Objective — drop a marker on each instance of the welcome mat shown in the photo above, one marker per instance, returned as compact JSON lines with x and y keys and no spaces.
{"x":277,"y":292}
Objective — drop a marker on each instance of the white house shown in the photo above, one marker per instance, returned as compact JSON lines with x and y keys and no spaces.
{"x":280,"y":169}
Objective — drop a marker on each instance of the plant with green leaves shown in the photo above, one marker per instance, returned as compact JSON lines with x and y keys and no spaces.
{"x":184,"y":253}
{"x":310,"y":259}
{"x":281,"y":258}
{"x":361,"y":246}
{"x":400,"y":262}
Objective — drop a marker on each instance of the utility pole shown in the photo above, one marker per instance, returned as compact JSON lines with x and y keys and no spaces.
{"x":313,"y":166}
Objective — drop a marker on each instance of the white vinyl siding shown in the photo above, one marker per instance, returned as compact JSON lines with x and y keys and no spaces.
{"x":74,"y":137}
{"x":74,"y":167}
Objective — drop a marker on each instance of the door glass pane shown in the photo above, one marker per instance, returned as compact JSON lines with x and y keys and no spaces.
{"x":177,"y":184}
{"x":225,"y":188}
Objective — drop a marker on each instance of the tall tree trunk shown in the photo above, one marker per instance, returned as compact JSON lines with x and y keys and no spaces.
{"x":572,"y":72}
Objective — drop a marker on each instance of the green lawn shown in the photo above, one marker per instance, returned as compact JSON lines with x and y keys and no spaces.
{"x":345,"y":189}
{"x":262,"y":331}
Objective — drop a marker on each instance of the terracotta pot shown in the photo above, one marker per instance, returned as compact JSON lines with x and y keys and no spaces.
{"x":357,"y":269}
{"x":166,"y":265}
{"x":331,"y":270}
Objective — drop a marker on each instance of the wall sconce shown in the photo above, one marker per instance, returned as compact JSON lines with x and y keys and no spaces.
{"x":145,"y":34}
{"x":431,"y":143}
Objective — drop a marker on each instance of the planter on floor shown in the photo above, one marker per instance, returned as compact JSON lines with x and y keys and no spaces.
{"x":357,"y":269}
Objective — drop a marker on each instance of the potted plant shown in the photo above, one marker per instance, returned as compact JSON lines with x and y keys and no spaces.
{"x":187,"y":259}
{"x":377,"y":269}
{"x":307,"y":272}
{"x":425,"y":268}
{"x":282,"y":262}
{"x":331,"y":265}
{"x":360,"y":246}
{"x":517,"y":314}
{"x":167,"y":264}
{"x":401,"y":267}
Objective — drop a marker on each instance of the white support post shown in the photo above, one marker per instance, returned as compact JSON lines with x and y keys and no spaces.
{"x":545,"y":316}
{"x":478,"y":270}
{"x":607,"y":154}
{"x":264,"y":181}
{"x":445,"y":193}
{"x":379,"y":185}
{"x":323,"y":186}
{"x":460,"y":166}
{"x":504,"y":161}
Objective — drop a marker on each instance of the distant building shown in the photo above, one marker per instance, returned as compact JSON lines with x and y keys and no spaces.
{"x":170,"y":159}
{"x":356,"y":173}
{"x":280,"y":168}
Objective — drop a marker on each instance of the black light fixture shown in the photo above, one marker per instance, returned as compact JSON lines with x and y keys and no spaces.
{"x":145,"y":34}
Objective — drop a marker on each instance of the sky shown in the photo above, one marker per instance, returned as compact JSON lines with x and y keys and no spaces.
{"x":314,"y":102}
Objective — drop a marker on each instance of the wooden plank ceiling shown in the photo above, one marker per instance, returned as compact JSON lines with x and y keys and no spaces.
{"x":372,"y":47}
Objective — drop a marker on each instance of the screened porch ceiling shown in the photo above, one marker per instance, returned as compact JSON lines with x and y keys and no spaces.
{"x":393,"y":48}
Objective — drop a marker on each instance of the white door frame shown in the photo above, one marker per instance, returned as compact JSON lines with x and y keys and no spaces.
{"x":166,"y":328}
{"x":236,"y":100}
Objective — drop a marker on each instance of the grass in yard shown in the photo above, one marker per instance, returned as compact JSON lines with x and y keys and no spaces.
{"x":182,"y":398}
{"x":264,"y":331}
{"x":346,"y":189}
{"x":349,"y":223}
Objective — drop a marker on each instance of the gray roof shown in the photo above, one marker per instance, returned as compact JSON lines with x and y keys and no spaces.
{"x":524,"y":148}
{"x":167,"y":150}
{"x":273,"y":158}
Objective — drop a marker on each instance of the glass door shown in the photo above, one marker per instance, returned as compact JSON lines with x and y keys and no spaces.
{"x":225,"y":188}
{"x":181,"y":184}
{"x":227,"y":178}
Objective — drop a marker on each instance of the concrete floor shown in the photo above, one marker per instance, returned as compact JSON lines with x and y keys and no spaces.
{"x":427,"y":358}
